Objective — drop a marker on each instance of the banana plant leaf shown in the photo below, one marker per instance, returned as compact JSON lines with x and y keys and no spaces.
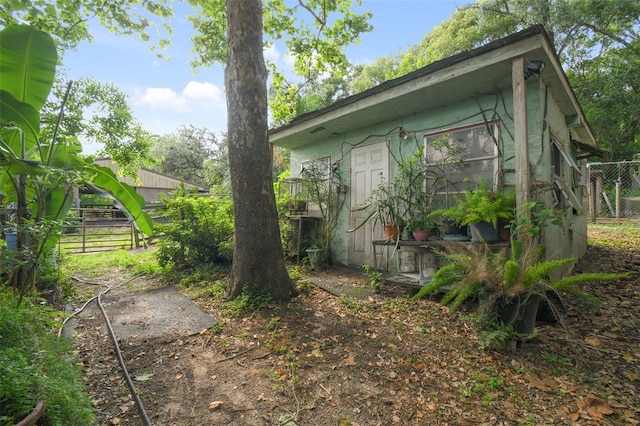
{"x":105,"y":184}
{"x":22,"y":114}
{"x":28,"y":64}
{"x":57,"y":203}
{"x":65,"y":155}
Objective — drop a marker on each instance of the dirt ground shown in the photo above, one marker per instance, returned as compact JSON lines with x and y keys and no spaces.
{"x":377,"y":358}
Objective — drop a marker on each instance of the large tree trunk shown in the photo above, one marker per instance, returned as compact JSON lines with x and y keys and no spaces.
{"x":258,"y":260}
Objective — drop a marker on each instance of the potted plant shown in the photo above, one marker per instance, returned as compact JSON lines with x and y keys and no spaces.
{"x":298,"y":204}
{"x":385,"y":208}
{"x":325,"y":192}
{"x":508,"y":286}
{"x":509,"y":283}
{"x":412,"y":190}
{"x":420,"y":227}
{"x":481,"y":209}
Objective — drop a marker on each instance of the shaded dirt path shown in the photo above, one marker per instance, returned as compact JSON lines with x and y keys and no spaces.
{"x":379,"y":359}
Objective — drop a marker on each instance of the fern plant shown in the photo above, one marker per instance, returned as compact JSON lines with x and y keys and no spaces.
{"x":477,"y":271}
{"x":479,"y":205}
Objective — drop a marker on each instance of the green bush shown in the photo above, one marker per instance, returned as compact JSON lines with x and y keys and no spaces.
{"x":200,"y":231}
{"x":37,"y":365}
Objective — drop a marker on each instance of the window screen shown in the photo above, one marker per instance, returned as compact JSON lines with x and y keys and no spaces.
{"x":461,"y":158}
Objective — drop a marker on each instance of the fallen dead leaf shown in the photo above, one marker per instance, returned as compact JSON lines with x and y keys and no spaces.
{"x":349,"y":361}
{"x":536,"y":383}
{"x":614,"y":336}
{"x":316,"y":353}
{"x":215,"y":405}
{"x":595,"y":407}
{"x":592,"y":341}
{"x":552,"y":384}
{"x":116,"y":421}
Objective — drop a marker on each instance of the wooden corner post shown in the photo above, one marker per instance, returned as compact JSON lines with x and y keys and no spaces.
{"x":521,"y":139}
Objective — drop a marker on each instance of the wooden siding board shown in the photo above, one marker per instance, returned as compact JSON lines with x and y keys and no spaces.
{"x":452,"y":96}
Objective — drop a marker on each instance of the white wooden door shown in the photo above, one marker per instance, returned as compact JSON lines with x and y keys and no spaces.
{"x":369,"y":167}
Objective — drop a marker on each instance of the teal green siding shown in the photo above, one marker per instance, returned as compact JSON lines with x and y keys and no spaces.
{"x":544,"y":115}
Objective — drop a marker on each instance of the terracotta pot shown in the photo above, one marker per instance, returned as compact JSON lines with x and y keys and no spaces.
{"x":421,"y":235}
{"x":392,"y":231}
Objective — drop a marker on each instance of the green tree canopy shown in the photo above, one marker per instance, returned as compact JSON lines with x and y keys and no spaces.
{"x":314,"y":32}
{"x":98,"y":112}
{"x":186,"y":153}
{"x":95,"y":111}
{"x":67,"y":21}
{"x":597,"y":42}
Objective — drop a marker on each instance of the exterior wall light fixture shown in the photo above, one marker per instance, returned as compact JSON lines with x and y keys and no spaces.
{"x":534,"y":67}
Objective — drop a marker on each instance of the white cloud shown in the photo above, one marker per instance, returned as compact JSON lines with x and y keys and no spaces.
{"x":162,"y":110}
{"x":289,"y":60}
{"x":160,"y":98}
{"x":202,"y":91}
{"x":285,"y":62}
{"x":271,"y":53}
{"x":195,"y":95}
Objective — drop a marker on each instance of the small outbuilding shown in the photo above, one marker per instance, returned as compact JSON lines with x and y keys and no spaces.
{"x":150,"y":183}
{"x":508,"y":104}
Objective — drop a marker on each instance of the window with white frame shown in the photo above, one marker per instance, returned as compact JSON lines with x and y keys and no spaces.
{"x":319,"y":172}
{"x":461,"y":158}
{"x":320,"y":167}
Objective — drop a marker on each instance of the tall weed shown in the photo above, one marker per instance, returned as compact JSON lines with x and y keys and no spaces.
{"x":37,"y":365}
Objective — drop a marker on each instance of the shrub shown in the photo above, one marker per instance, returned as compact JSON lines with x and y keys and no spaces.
{"x":37,"y":365}
{"x":200,"y":231}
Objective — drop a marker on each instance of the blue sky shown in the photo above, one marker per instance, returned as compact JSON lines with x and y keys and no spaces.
{"x":165,"y":95}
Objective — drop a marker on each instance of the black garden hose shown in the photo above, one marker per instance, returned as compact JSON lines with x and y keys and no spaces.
{"x":127,"y":376}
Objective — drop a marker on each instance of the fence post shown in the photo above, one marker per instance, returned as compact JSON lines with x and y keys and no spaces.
{"x":618,"y":185}
{"x":591,"y":192}
{"x":84,"y":232}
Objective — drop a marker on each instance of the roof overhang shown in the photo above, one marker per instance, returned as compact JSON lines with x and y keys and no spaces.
{"x":482,"y":71}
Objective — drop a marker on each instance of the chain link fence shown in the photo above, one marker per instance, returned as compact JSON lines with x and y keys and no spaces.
{"x":614,"y":190}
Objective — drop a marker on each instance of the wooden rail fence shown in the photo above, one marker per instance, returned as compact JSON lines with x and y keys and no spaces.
{"x":98,"y":229}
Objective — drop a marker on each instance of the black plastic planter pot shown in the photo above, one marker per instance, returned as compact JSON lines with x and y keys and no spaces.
{"x":483,"y":232}
{"x":552,"y":309}
{"x":520,"y":313}
{"x":453,"y":232}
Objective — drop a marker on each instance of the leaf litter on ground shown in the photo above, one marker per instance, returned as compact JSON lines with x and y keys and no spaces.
{"x":384,"y":359}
